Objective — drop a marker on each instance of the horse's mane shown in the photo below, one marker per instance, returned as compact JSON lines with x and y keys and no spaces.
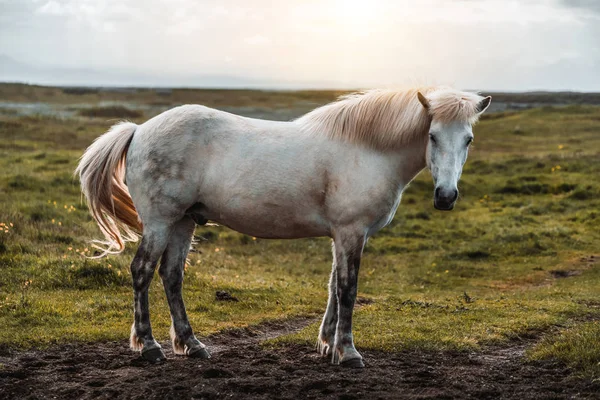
{"x":386,"y":119}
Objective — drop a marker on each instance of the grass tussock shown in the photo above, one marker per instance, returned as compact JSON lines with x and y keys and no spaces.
{"x":576,"y":346}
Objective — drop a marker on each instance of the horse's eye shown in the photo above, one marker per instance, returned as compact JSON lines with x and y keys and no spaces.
{"x":469,"y":141}
{"x":432,"y":138}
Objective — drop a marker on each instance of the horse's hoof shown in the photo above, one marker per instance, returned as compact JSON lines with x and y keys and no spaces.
{"x":199,"y":352}
{"x":155,"y":356}
{"x":323,"y":349}
{"x":353,"y":363}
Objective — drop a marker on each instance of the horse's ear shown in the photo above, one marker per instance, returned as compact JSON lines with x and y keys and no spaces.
{"x":484,"y":104}
{"x":423,"y":100}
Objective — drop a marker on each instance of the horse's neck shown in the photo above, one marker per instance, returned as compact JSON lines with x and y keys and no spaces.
{"x":412,"y":160}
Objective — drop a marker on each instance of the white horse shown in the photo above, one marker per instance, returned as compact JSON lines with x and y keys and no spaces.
{"x":338,"y":171}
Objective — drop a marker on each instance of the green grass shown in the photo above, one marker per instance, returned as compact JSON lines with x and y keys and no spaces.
{"x":486,"y":273}
{"x":576,"y":346}
{"x":17,"y":92}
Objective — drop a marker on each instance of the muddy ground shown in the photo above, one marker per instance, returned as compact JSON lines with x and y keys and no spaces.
{"x":242,"y":369}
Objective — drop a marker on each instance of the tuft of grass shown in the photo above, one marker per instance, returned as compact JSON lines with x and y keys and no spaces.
{"x":585,"y":194}
{"x":577,"y":346}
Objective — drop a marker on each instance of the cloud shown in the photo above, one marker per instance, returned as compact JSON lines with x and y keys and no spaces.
{"x":585,"y":5}
{"x":257,"y":40}
{"x":53,"y":8}
{"x":500,"y":44}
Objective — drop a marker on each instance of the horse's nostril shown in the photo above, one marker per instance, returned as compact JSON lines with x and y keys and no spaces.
{"x":454,"y":196}
{"x":445,"y":195}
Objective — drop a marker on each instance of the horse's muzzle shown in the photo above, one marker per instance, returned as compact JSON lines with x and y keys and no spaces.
{"x":444,"y":199}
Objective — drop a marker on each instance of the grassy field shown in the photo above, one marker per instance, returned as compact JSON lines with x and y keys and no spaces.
{"x":516,"y":259}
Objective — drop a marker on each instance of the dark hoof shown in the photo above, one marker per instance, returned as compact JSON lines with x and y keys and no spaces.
{"x":353,"y":363}
{"x":199,"y":352}
{"x":155,"y":356}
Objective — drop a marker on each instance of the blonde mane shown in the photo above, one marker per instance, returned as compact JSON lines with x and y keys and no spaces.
{"x":386,"y":119}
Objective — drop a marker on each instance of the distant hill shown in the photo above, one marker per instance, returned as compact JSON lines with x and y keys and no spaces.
{"x":78,"y":79}
{"x":12,"y":70}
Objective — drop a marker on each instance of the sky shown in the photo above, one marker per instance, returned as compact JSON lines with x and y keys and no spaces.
{"x":511,"y":45}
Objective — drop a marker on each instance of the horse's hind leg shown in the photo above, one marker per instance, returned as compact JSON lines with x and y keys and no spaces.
{"x":329,"y":322}
{"x":154,"y":241}
{"x":171,"y":272}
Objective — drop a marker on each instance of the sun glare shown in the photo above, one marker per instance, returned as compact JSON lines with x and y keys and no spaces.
{"x":356,"y":17}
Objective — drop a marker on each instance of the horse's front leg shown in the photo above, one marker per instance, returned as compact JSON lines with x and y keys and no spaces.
{"x":329,"y":322}
{"x":154,"y":241}
{"x":171,"y":273}
{"x":348,"y":251}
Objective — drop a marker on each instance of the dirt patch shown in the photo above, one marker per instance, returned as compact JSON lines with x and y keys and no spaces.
{"x":241,"y":368}
{"x":363,"y":301}
{"x":559,"y":273}
{"x":585,"y":262}
{"x":222,"y":295}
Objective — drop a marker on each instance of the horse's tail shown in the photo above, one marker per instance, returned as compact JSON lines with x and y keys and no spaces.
{"x":101,"y":171}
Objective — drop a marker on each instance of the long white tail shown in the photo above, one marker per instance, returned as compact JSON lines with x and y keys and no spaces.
{"x":101,"y":171}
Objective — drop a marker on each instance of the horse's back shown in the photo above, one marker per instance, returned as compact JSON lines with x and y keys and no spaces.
{"x":242,"y":170}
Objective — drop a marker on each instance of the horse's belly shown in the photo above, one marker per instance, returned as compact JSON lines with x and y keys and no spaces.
{"x":272,"y":222}
{"x":274,"y":226}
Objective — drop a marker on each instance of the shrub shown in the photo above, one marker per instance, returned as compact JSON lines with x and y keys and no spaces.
{"x":111,"y":112}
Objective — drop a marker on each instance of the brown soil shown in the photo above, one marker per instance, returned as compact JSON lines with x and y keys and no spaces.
{"x":241,"y":369}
